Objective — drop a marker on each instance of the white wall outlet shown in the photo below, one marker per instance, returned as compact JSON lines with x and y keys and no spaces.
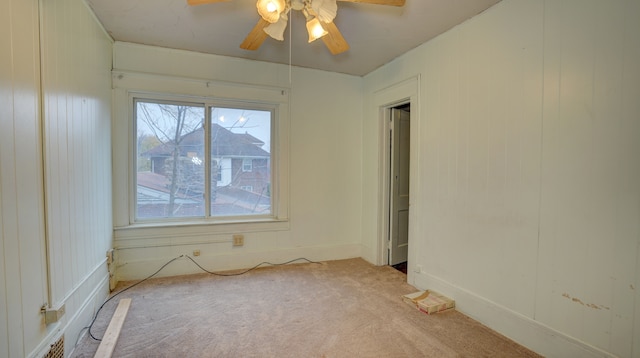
{"x":110,"y":257}
{"x":238,"y":240}
{"x":417,"y":268}
{"x":111,"y":267}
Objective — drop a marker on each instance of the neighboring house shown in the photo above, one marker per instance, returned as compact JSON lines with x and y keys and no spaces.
{"x":153,"y":194}
{"x":240,"y":172}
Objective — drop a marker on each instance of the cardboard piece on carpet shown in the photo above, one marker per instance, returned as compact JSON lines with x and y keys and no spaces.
{"x":429,"y":301}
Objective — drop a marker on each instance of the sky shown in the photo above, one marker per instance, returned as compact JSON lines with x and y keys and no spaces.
{"x":255,"y":122}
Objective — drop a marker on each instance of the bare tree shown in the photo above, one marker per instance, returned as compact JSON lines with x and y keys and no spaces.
{"x":170,"y":123}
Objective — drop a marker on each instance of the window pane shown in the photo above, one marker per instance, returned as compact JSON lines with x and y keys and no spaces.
{"x":241,"y":147}
{"x":170,"y":160}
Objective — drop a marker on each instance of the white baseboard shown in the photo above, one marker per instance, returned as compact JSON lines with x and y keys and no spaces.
{"x":523,"y":330}
{"x":84,"y":315}
{"x":81,"y":304}
{"x":135,"y":268}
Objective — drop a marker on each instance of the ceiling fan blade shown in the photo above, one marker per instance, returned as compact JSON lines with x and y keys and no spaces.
{"x":202,"y":2}
{"x":379,"y":2}
{"x":334,"y":40}
{"x":256,"y":37}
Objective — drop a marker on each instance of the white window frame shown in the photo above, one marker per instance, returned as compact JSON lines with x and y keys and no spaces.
{"x":206,"y":106}
{"x":130,"y":85}
{"x":247,"y":165}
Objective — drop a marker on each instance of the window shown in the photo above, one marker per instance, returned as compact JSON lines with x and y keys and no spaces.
{"x":206,"y":195}
{"x":215,"y":167}
{"x":202,"y":160}
{"x":247,"y":165}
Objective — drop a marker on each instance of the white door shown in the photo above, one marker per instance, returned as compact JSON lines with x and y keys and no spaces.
{"x":399,"y":190}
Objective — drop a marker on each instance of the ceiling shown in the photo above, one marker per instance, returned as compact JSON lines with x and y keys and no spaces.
{"x":376,"y":34}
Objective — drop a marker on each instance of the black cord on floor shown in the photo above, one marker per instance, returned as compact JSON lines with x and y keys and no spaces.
{"x":119,"y":292}
{"x":250,"y":269}
{"x":199,"y":266}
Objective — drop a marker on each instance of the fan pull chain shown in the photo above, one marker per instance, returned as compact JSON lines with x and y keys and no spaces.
{"x":290,"y":45}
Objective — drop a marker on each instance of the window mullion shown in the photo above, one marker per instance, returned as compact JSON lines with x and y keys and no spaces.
{"x":208,"y":158}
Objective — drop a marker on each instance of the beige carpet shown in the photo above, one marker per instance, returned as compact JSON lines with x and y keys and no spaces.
{"x":346,"y":308}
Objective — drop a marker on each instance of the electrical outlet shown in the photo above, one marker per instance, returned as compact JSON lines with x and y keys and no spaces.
{"x":110,"y":257}
{"x":238,"y":240}
{"x":111,"y":268}
{"x":418,"y":269}
{"x":196,"y":252}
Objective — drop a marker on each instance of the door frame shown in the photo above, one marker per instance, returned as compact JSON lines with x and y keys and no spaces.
{"x":394,"y":153}
{"x":407,"y":91}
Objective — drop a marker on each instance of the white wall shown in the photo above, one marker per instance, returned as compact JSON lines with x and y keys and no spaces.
{"x":65,"y":202}
{"x":76,"y":87}
{"x":529,"y":191}
{"x":323,"y":157}
{"x":529,"y":194}
{"x":22,"y":266}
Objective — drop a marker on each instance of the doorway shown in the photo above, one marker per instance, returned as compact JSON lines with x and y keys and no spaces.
{"x":403,"y":96}
{"x":398,"y":190}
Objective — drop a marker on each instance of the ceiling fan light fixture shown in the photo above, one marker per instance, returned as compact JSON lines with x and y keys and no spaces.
{"x":326,"y":10}
{"x":315,"y":29}
{"x":270,"y":10}
{"x":276,"y":30}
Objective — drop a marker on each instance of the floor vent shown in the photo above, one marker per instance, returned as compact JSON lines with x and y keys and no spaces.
{"x":56,"y":350}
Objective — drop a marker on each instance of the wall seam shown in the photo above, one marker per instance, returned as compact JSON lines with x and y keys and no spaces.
{"x":42,"y":157}
{"x":541,"y":167}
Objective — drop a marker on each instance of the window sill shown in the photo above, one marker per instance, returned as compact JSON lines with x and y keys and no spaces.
{"x":198,"y":228}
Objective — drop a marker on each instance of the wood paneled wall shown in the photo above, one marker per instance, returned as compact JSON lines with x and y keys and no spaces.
{"x":589,"y":236}
{"x":22,"y":249}
{"x":76,"y":87}
{"x":76,"y":81}
{"x":529,"y":199}
{"x":55,"y":178}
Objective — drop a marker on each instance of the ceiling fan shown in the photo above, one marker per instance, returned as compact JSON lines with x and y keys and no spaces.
{"x":318,"y":13}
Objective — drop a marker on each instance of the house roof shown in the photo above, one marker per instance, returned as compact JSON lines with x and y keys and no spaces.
{"x":224,"y":143}
{"x":154,"y":188}
{"x":251,"y":139}
{"x":153,"y":180}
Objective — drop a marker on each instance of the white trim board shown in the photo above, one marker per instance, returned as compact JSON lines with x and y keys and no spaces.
{"x":405,"y":91}
{"x":72,"y":326}
{"x":524,"y":330}
{"x":130,"y":267}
